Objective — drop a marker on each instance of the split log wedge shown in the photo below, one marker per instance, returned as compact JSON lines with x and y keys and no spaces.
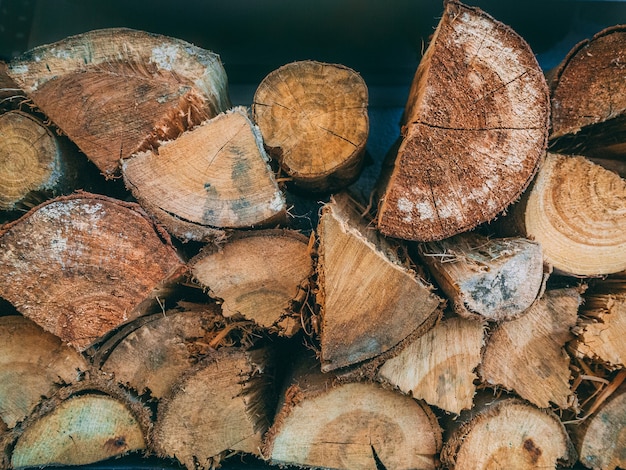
{"x":216,"y":176}
{"x":438,"y":367}
{"x":474,"y":129}
{"x":527,"y":354}
{"x":351,"y":425}
{"x":83,"y":424}
{"x":370,"y":299}
{"x":33,"y":364}
{"x":486,"y":278}
{"x":314,"y":121}
{"x":601,"y":438}
{"x":163,"y":347}
{"x":9,"y":90}
{"x":81,"y":265}
{"x":223,"y":404}
{"x":507,"y":433}
{"x":589,"y":97}
{"x":261,"y":275}
{"x":576,"y":210}
{"x":118,"y":91}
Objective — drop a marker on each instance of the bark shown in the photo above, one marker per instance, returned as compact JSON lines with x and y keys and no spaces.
{"x":313,"y":117}
{"x":588,"y":97}
{"x":527,"y":355}
{"x":211,"y":178}
{"x":323,"y":423}
{"x":507,"y":433}
{"x":263,"y":276}
{"x":29,"y":373}
{"x":118,"y":91}
{"x":370,"y":299}
{"x":81,"y":265}
{"x":576,"y":210}
{"x":486,"y":278}
{"x":438,"y":367}
{"x":223,"y":404}
{"x":474,"y":129}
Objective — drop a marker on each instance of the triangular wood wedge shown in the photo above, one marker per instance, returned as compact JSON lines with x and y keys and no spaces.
{"x":485,"y":278}
{"x":158,"y":352}
{"x":33,"y":365}
{"x":589,"y":97}
{"x":438,"y":367}
{"x":118,"y":91}
{"x":321,"y":423}
{"x":260,"y":275}
{"x":223,"y":404}
{"x":527,"y":355}
{"x":507,"y":433}
{"x":216,"y":176}
{"x":82,"y":424}
{"x":81,"y":265}
{"x":576,"y":210}
{"x":370,"y":299}
{"x":474,"y":129}
{"x":313,"y":117}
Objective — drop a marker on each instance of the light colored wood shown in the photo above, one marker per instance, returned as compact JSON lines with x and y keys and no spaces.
{"x":214,"y":177}
{"x":507,"y":433}
{"x":33,"y":365}
{"x":527,"y":354}
{"x":493,"y":279}
{"x":314,"y":121}
{"x":260,"y":275}
{"x":370,"y":299}
{"x":221,"y":405}
{"x":576,"y":210}
{"x":438,"y":367}
{"x":351,"y":425}
{"x":474,"y":129}
{"x":118,"y":91}
{"x":81,"y":265}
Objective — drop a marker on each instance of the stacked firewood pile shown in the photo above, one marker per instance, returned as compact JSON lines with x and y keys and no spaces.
{"x":162,"y":298}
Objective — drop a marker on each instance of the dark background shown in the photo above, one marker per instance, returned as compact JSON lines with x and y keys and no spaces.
{"x":382,"y":40}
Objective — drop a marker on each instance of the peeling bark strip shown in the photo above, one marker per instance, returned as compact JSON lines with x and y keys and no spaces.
{"x":313,"y":117}
{"x":81,"y":265}
{"x":213,"y":177}
{"x":475,"y":128}
{"x":115,"y":92}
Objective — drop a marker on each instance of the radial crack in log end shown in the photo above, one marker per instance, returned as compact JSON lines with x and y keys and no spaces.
{"x":79,"y":266}
{"x":115,"y":91}
{"x":212,"y":178}
{"x":370,"y":300}
{"x":475,"y":128}
{"x":313,"y":117}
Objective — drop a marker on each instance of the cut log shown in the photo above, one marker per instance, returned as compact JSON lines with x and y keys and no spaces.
{"x":351,"y":425}
{"x":600,"y":439}
{"x":260,"y":275}
{"x":576,"y":210}
{"x":223,"y":404}
{"x":314,"y":121}
{"x":507,"y":433}
{"x":81,"y":265}
{"x":438,"y":367}
{"x":474,"y":129}
{"x":29,"y":373}
{"x":118,"y":91}
{"x":527,"y":354}
{"x":10,"y":93}
{"x":370,"y":299}
{"x":213,"y":177}
{"x":153,"y":357}
{"x":83,"y":424}
{"x":589,"y":97}
{"x":486,"y":278}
